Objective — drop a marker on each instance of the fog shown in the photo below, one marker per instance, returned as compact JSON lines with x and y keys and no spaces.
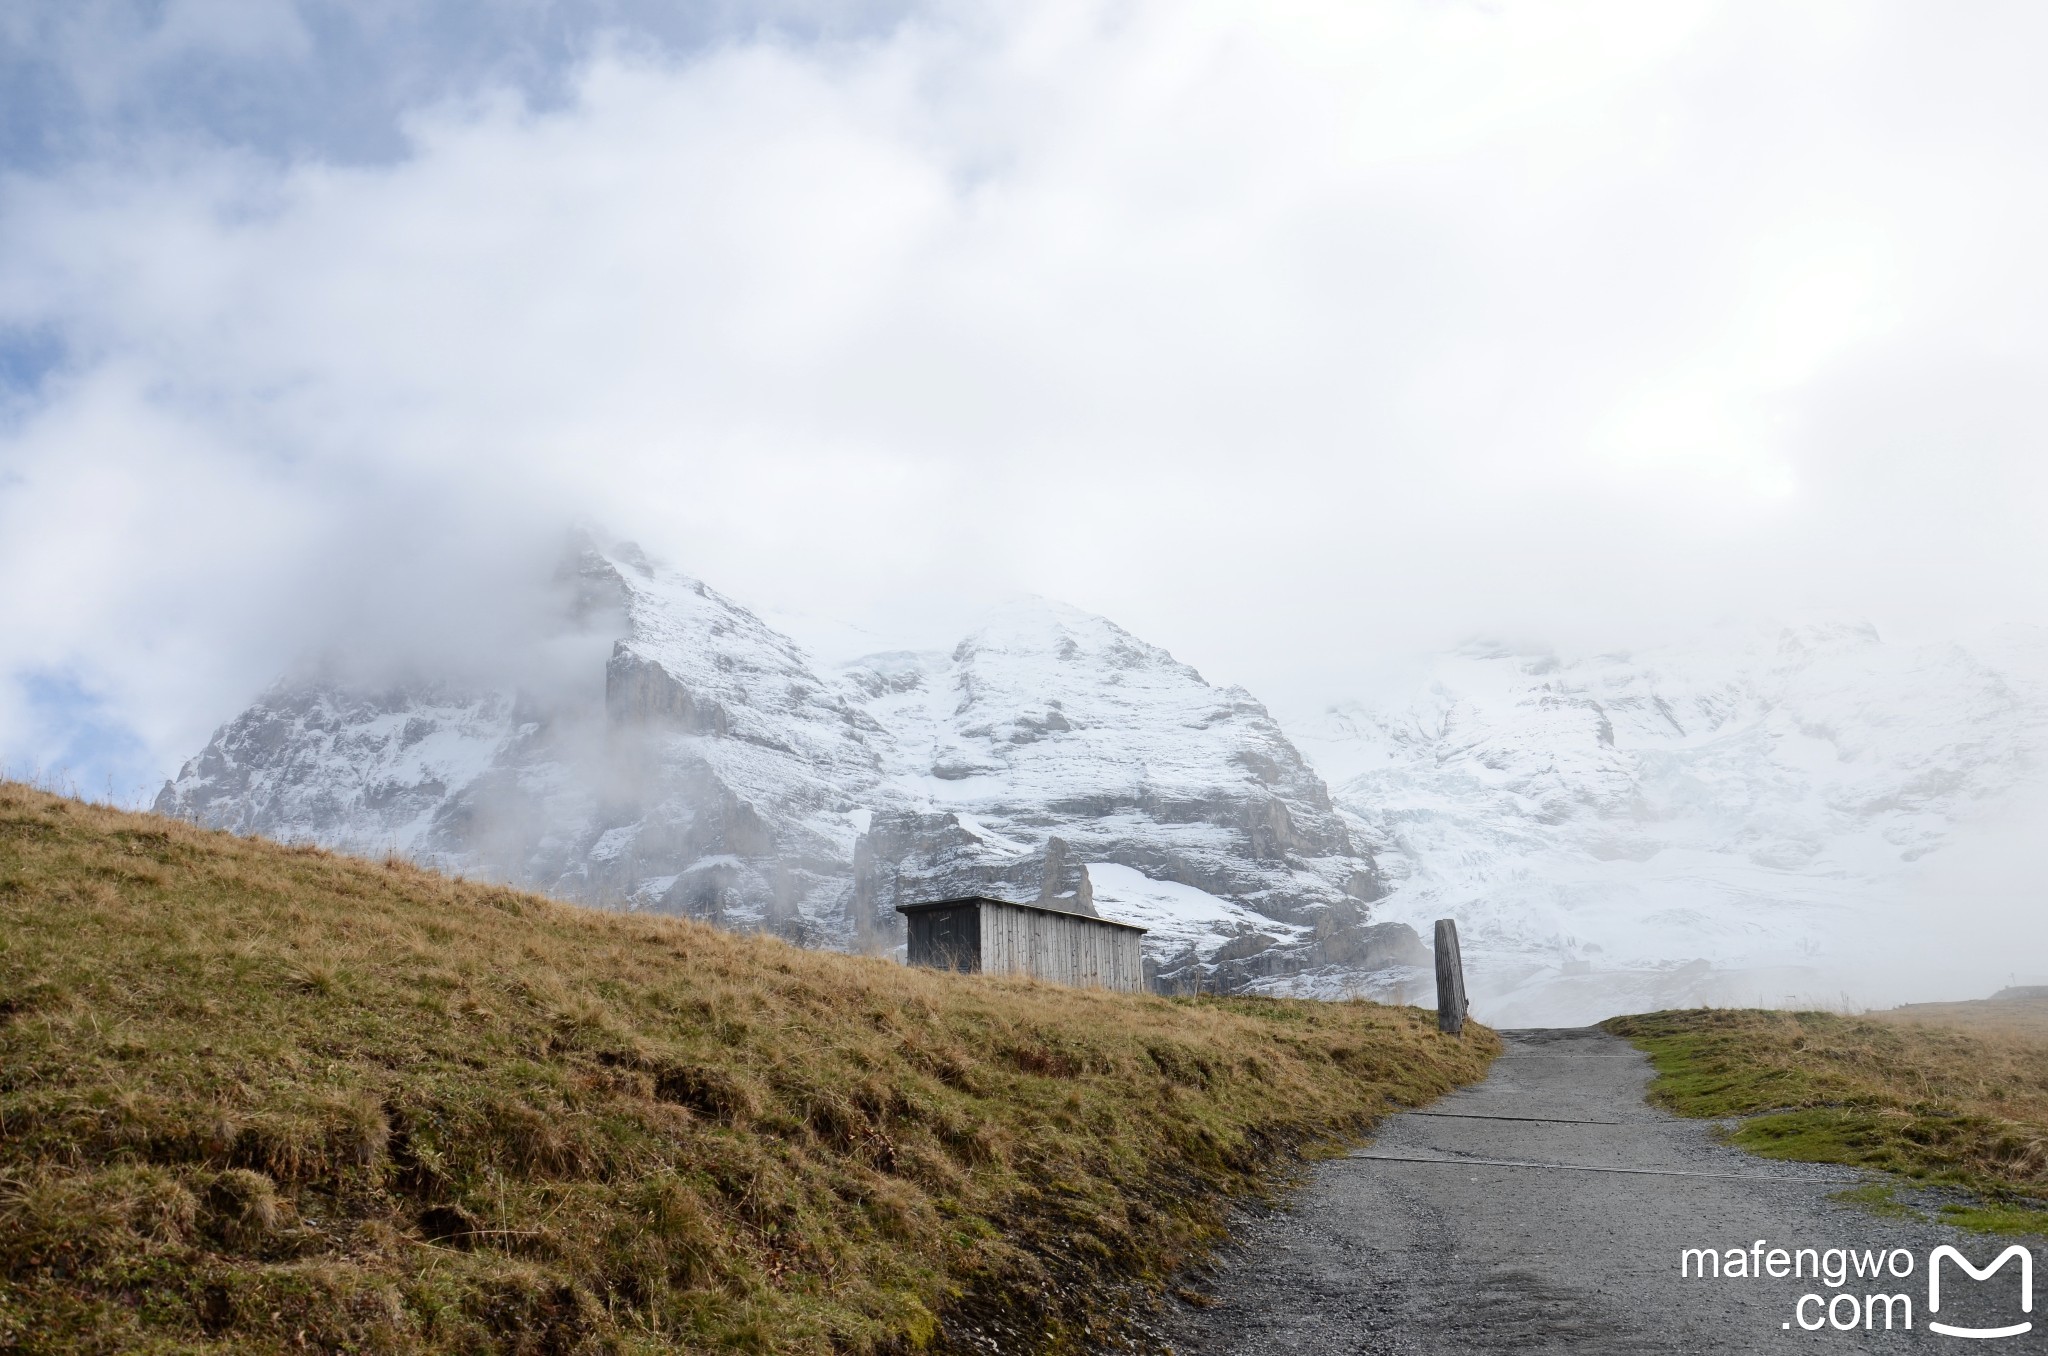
{"x":1301,"y":339}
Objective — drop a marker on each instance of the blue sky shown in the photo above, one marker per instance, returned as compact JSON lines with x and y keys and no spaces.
{"x":334,"y":80}
{"x":1300,"y":338}
{"x":84,"y":748}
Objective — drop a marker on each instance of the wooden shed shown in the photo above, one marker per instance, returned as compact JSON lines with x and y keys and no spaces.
{"x":977,"y":935}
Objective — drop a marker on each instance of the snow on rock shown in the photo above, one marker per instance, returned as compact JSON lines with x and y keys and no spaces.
{"x":1178,"y":915}
{"x":365,"y":772}
{"x":1050,"y":738}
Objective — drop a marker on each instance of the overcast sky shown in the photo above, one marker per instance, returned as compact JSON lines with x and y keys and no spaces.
{"x":1296,"y":337}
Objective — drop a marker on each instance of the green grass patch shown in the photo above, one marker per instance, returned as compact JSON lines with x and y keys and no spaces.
{"x":256,"y":1098}
{"x":2013,"y":1221}
{"x":1942,"y":1104}
{"x":1880,"y":1199}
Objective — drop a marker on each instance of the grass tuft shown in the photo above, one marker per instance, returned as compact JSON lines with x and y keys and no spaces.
{"x":260,"y":1098}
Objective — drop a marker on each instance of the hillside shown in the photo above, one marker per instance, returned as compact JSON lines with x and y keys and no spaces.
{"x":258,"y":1098}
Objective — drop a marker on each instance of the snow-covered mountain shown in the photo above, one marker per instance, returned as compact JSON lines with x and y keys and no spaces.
{"x":711,"y":767}
{"x":1752,"y":817}
{"x":703,"y":768}
{"x":1749,"y":818}
{"x":1194,"y":814}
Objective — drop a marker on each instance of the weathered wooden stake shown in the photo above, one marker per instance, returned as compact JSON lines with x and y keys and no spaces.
{"x":1450,"y":980}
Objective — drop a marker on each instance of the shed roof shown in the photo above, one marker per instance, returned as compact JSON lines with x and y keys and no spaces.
{"x":1011,"y":903}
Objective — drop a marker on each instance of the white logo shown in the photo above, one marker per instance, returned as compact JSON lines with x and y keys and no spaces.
{"x":2026,"y":1289}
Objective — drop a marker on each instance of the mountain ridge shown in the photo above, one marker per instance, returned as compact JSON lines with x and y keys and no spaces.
{"x":1714,"y":822}
{"x":724,"y":775}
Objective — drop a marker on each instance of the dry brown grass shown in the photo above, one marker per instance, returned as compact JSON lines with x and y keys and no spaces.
{"x":255,"y":1098}
{"x":2021,"y":1022}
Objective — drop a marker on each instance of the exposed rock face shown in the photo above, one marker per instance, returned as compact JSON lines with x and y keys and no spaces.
{"x":722,"y":775}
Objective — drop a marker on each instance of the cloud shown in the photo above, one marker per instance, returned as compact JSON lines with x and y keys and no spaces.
{"x":1289,"y":336}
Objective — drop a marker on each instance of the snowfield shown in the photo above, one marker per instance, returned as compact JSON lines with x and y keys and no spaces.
{"x":1749,"y":819}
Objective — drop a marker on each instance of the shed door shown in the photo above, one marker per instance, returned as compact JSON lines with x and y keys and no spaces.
{"x":956,"y":939}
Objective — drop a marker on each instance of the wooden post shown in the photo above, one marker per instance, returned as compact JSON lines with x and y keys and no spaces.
{"x":1450,"y":980}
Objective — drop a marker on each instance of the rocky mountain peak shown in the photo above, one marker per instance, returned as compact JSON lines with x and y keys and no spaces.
{"x":718,"y":772}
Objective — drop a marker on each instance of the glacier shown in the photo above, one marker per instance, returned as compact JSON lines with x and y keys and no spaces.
{"x":1758,"y":817}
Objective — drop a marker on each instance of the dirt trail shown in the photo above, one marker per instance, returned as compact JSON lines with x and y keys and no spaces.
{"x":1545,"y":1210}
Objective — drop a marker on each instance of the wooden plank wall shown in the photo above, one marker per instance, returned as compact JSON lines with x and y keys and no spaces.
{"x":1063,"y":947}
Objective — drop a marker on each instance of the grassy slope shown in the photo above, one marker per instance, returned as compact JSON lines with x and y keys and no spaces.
{"x":1951,"y":1094}
{"x":256,"y":1098}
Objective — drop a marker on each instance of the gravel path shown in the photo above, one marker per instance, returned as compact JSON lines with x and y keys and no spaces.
{"x":1545,"y":1210}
